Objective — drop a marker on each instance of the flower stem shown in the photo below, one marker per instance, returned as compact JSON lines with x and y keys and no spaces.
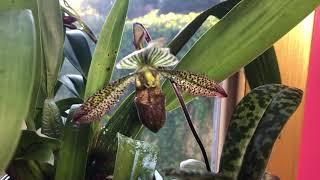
{"x":188,"y":118}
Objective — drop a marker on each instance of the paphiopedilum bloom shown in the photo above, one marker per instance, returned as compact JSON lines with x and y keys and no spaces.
{"x":150,"y":64}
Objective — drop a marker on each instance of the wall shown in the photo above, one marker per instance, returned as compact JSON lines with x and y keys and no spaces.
{"x":293,"y":55}
{"x":309,"y":155}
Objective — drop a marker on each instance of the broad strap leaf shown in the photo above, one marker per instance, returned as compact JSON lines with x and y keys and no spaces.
{"x":135,"y":159}
{"x":195,"y":84}
{"x":98,"y":104}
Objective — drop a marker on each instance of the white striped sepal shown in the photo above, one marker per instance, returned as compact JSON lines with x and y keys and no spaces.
{"x":152,"y":55}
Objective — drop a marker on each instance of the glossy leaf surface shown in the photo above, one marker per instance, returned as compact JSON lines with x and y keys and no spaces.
{"x":263,"y":70}
{"x":135,"y":159}
{"x":238,"y":38}
{"x":18,"y":76}
{"x":77,"y":51}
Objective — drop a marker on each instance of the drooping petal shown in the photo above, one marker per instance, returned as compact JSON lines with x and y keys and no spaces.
{"x":195,"y":84}
{"x":98,"y":104}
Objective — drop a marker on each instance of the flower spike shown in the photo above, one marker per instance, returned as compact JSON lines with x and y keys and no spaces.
{"x":195,"y":84}
{"x":102,"y":101}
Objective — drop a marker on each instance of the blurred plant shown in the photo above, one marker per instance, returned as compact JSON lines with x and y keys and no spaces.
{"x":89,"y":151}
{"x":72,"y":17}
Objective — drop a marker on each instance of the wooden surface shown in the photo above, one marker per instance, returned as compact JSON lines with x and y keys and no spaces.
{"x":293,"y":52}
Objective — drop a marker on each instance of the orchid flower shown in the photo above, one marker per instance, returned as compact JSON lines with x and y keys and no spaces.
{"x":150,"y":64}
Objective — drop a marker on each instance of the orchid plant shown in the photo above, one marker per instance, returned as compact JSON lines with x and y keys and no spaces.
{"x":150,"y":64}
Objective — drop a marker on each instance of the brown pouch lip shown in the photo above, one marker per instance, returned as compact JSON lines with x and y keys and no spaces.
{"x":150,"y":104}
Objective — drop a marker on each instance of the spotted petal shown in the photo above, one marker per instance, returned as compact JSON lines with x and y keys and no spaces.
{"x":195,"y":84}
{"x":98,"y":104}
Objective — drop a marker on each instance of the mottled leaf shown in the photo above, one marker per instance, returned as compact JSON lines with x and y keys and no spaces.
{"x":267,"y":132}
{"x":51,"y":120}
{"x":259,"y":103}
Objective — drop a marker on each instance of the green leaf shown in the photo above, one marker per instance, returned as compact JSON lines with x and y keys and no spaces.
{"x":99,"y":75}
{"x":52,"y":39}
{"x":267,"y":132}
{"x":219,"y":11}
{"x":244,"y":33}
{"x":39,"y":88}
{"x":107,"y":48}
{"x":261,"y":114}
{"x":35,"y":147}
{"x":77,"y":51}
{"x":30,"y":170}
{"x":73,"y":152}
{"x":18,"y":56}
{"x":52,"y":124}
{"x":135,"y":159}
{"x":263,"y":70}
{"x":26,"y":170}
